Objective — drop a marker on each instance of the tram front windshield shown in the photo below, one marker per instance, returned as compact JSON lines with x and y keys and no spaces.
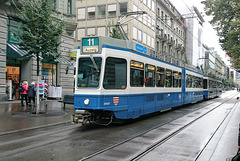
{"x":89,"y":70}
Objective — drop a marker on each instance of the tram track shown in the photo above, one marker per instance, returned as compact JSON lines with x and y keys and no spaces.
{"x":65,"y":132}
{"x":159,"y":142}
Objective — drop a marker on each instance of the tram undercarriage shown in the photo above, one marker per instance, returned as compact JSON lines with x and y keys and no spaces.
{"x":93,"y":116}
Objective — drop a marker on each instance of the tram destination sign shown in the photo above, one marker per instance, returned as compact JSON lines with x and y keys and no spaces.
{"x":90,"y":45}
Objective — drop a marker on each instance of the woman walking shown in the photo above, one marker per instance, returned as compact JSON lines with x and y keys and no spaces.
{"x":24,"y":93}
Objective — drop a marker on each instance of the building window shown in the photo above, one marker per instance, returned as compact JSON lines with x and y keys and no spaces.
{"x":101,"y":31}
{"x":112,"y":10}
{"x":101,"y":11}
{"x":81,"y":13}
{"x":80,"y":33}
{"x":91,"y":31}
{"x":140,"y":18}
{"x":149,"y":4}
{"x":69,"y":7}
{"x":135,"y":30}
{"x":144,"y":39}
{"x":91,"y":12}
{"x":152,"y":42}
{"x":153,"y":24}
{"x":153,"y":6}
{"x":149,"y":21}
{"x":135,"y":8}
{"x":139,"y":36}
{"x":145,"y":2}
{"x":148,"y":40}
{"x":122,"y":8}
{"x":53,"y":4}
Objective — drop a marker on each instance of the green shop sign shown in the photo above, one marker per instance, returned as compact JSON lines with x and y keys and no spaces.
{"x":13,"y":29}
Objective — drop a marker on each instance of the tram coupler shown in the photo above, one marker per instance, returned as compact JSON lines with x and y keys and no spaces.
{"x":80,"y":116}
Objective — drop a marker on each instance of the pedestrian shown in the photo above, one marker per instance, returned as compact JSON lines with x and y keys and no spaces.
{"x":32,"y":93}
{"x":24,"y":93}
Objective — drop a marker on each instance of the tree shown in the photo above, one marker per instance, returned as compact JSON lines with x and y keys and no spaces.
{"x":40,"y":33}
{"x":113,"y":31}
{"x":226,"y":20}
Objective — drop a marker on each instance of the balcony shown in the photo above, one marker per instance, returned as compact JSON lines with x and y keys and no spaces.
{"x":170,"y":42}
{"x":162,"y":37}
{"x":179,"y":47}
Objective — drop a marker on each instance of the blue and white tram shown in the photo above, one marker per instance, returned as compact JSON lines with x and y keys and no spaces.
{"x":194,"y":86}
{"x":116,"y":79}
{"x":212,"y":87}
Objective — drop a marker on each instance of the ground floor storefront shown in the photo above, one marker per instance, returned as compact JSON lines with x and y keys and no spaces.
{"x":16,"y":68}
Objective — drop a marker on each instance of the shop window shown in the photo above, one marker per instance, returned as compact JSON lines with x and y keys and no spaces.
{"x":49,"y":74}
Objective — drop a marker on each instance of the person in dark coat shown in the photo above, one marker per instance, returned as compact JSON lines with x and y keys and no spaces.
{"x":24,"y":93}
{"x":32,"y":92}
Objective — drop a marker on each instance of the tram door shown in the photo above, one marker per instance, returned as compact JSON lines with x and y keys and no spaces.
{"x":13,"y":73}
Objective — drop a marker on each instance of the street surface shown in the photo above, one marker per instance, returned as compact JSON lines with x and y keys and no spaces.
{"x":203,"y":131}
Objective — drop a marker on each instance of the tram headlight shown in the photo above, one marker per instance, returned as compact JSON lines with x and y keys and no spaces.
{"x":86,"y":101}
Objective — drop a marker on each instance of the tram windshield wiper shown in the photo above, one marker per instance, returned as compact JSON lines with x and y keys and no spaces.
{"x":94,"y":63}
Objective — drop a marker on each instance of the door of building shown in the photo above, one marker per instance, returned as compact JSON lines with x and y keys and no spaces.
{"x":13,"y":73}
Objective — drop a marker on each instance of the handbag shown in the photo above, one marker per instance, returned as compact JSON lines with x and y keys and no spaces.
{"x":237,"y":156}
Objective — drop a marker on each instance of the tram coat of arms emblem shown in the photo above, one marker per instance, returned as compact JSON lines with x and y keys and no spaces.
{"x":115,"y":100}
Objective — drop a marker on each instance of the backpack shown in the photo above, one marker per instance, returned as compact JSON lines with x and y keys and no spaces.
{"x":21,"y":89}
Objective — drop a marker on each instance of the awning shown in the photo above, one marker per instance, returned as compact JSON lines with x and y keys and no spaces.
{"x":16,"y":48}
{"x":63,"y":60}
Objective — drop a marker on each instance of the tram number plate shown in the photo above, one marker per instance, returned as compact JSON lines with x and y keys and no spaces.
{"x":90,"y":45}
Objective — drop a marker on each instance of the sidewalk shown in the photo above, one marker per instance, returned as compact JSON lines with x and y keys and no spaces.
{"x":14,"y":117}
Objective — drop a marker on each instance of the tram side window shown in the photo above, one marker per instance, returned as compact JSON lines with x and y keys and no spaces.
{"x":168,"y":80}
{"x":180,"y":79}
{"x":175,"y":79}
{"x":136,"y":74}
{"x":115,"y":76}
{"x":189,"y":81}
{"x":194,"y":81}
{"x":204,"y":83}
{"x":210,"y":84}
{"x":201,"y":82}
{"x":149,"y":75}
{"x":160,"y":77}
